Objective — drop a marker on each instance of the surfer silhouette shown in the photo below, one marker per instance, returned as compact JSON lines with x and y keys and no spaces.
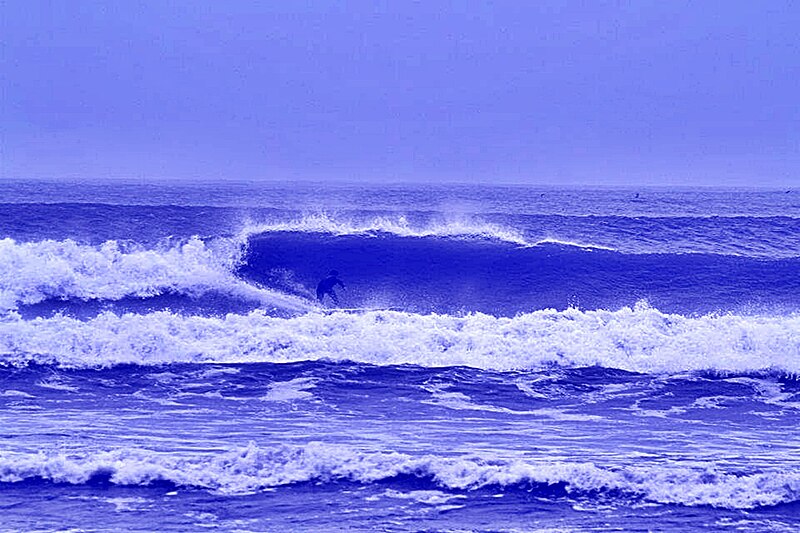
{"x":326,"y":287}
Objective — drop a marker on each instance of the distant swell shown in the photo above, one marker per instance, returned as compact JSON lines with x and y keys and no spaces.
{"x":251,"y":469}
{"x":641,"y":339}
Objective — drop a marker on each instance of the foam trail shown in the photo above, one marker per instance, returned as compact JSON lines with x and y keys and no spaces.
{"x":561,"y":242}
{"x":38,"y":271}
{"x":251,"y":469}
{"x":639,"y":340}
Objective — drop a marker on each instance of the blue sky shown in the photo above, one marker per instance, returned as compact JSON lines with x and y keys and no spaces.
{"x":540,"y":92}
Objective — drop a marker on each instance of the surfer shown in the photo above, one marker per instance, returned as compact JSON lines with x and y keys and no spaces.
{"x":326,"y":287}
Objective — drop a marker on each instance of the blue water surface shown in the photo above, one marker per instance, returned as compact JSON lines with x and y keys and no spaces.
{"x":508,"y":359}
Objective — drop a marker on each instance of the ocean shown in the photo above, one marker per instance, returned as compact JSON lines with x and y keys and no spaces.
{"x":505,"y":358}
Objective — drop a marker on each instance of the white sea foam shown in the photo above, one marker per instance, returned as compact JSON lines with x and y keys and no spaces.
{"x":16,"y":393}
{"x":288,"y":391}
{"x":38,"y":271}
{"x":641,"y":339}
{"x":461,"y":402}
{"x":252,"y":469}
{"x":428,"y":497}
{"x":769,"y":392}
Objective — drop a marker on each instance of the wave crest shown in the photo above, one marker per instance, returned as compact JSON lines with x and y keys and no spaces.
{"x":397,"y":225}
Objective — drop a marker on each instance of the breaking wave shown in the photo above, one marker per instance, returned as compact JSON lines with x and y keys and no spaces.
{"x":62,"y":270}
{"x":640,"y":339}
{"x":251,"y":469}
{"x":452,"y":266}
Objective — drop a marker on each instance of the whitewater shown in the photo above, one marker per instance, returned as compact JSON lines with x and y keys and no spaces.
{"x":507,"y":359}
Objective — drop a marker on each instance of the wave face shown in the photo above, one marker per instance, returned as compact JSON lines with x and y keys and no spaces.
{"x":581,"y":360}
{"x":489,"y":274}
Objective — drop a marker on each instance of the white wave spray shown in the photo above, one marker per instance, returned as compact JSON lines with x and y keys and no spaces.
{"x":397,"y":225}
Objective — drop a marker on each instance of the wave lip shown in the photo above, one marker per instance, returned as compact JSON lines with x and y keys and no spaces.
{"x":641,"y":339}
{"x":400,"y":226}
{"x":251,"y":469}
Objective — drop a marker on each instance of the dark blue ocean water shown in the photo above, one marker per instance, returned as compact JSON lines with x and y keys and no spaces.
{"x":509,"y":359}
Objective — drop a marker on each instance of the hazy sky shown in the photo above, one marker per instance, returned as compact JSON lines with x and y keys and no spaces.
{"x":543,"y":92}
